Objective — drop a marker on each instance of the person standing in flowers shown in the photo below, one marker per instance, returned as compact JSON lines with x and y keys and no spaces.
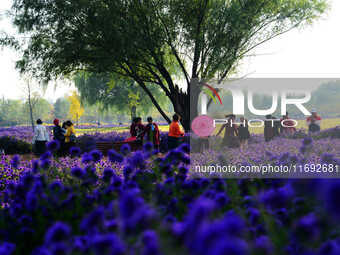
{"x":70,"y":136}
{"x":139,"y":130}
{"x":40,"y":138}
{"x":152,"y":133}
{"x":58,"y":135}
{"x":277,"y":126}
{"x":175,"y":133}
{"x":313,"y":122}
{"x":268,"y":128}
{"x":230,"y":138}
{"x":243,"y":132}
{"x":288,"y":127}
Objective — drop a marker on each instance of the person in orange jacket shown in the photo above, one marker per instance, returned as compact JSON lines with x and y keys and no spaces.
{"x":175,"y":133}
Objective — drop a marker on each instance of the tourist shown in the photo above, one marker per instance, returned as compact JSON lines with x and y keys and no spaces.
{"x":139,"y":130}
{"x":230,"y":138}
{"x":175,"y":133}
{"x":268,"y":128}
{"x":133,"y":131}
{"x":70,"y":136}
{"x":288,"y":125}
{"x":40,"y":138}
{"x":58,"y":135}
{"x":314,"y":122}
{"x":152,"y":133}
{"x":277,"y":126}
{"x":243,"y":132}
{"x":64,"y":127}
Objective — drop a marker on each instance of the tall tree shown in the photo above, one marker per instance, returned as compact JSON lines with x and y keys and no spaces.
{"x":147,"y":40}
{"x":76,"y":109}
{"x":110,"y":90}
{"x":61,"y":108}
{"x":31,"y":97}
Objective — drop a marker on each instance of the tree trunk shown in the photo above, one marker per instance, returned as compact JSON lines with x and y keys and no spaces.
{"x":133,"y":112}
{"x":186,"y":105}
{"x":30,"y":105}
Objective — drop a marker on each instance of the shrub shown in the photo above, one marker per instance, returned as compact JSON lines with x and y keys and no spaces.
{"x":13,"y":146}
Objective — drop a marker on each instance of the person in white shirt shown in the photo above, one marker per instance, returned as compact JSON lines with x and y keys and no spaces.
{"x":40,"y":138}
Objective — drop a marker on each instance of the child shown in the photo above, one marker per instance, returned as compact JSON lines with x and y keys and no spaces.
{"x":152,"y":133}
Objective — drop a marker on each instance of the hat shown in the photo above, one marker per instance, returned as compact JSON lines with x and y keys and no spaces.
{"x":313,"y":110}
{"x":56,"y":122}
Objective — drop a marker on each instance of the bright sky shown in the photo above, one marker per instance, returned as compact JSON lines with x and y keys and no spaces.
{"x":309,"y":52}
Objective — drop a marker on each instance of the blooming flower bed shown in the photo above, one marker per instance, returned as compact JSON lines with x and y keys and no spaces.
{"x":137,"y":203}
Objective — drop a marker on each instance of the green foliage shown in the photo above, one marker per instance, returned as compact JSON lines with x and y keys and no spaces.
{"x":61,"y":108}
{"x":158,"y":42}
{"x":111,"y":91}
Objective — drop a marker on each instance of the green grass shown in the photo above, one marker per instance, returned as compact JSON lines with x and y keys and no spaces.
{"x":112,"y":129}
{"x":325,"y":123}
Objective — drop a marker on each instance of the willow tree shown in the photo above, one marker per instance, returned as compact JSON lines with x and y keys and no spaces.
{"x":165,"y":42}
{"x":111,"y":91}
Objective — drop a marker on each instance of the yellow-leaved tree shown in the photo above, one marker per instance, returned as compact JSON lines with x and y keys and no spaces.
{"x":76,"y":109}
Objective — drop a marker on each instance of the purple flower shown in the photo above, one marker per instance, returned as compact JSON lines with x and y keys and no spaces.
{"x":222,"y":199}
{"x":234,"y":246}
{"x":45,"y":164}
{"x":307,"y":141}
{"x":108,"y":244}
{"x":137,"y":160}
{"x":127,"y":171}
{"x":329,"y":248}
{"x":277,"y":198}
{"x":15,"y":161}
{"x":184,"y":147}
{"x":46,"y":155}
{"x":93,"y":220}
{"x":264,"y":246}
{"x":87,"y":158}
{"x":148,"y":147}
{"x":134,"y":212}
{"x":53,"y":145}
{"x":332,"y":198}
{"x":58,"y":232}
{"x":56,"y":186}
{"x":35,"y":166}
{"x":6,"y":248}
{"x":151,"y":243}
{"x":125,"y":149}
{"x":327,"y":158}
{"x":75,"y":151}
{"x":303,"y":149}
{"x":77,"y":172}
{"x":115,"y":157}
{"x":108,"y":173}
{"x":96,"y":155}
{"x":307,"y":228}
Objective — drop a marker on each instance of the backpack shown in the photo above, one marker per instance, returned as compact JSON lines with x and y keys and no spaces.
{"x":73,"y":138}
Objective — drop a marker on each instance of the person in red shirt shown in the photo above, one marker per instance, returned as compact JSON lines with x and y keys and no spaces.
{"x":313,"y":122}
{"x":175,"y":133}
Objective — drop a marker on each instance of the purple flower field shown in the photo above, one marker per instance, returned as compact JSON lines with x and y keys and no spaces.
{"x":139,"y":203}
